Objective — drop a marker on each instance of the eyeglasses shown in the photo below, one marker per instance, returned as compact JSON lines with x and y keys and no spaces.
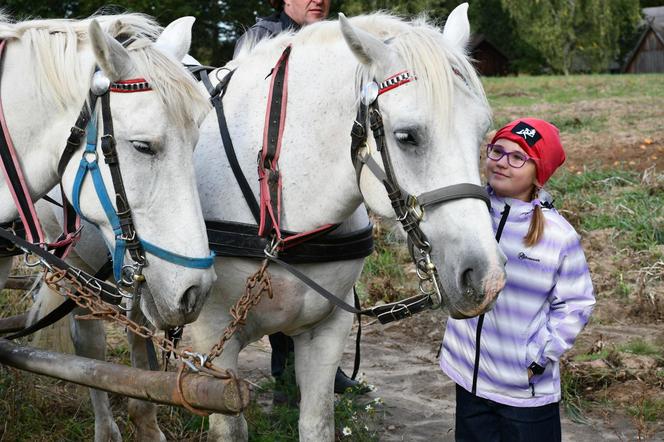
{"x":515,"y":159}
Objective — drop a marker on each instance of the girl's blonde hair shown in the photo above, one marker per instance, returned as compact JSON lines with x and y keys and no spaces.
{"x":536,"y":229}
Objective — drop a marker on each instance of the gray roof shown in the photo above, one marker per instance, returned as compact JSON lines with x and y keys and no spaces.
{"x":655,"y":17}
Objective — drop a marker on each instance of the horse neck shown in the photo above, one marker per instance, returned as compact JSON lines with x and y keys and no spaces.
{"x":319,"y":184}
{"x":38,"y":129}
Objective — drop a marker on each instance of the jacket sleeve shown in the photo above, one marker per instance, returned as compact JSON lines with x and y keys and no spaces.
{"x":571,"y":302}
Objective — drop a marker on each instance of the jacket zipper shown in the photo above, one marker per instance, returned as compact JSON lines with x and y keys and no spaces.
{"x":480,"y":322}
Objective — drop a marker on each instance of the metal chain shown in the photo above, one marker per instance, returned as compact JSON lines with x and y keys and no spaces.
{"x":87,"y":297}
{"x":257,"y":284}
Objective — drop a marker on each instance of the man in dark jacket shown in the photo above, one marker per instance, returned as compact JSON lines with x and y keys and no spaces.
{"x":290,"y":15}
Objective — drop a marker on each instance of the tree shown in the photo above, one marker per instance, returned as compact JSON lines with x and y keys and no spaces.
{"x":565,"y":31}
{"x":218,"y":23}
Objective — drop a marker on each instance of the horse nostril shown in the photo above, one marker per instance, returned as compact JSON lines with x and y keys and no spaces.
{"x":468,"y":286}
{"x":189,"y":299}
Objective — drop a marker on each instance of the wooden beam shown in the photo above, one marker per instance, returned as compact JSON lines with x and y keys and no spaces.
{"x":203,"y":392}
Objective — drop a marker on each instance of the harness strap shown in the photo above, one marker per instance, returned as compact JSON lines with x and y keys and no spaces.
{"x":129,"y":239}
{"x":21,"y":194}
{"x":14,"y":177}
{"x":268,"y":168}
{"x":108,"y":292}
{"x":232,"y":239}
{"x":217,"y":95}
{"x":63,"y":309}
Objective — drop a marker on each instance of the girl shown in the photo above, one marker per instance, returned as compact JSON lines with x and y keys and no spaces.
{"x":505,"y":362}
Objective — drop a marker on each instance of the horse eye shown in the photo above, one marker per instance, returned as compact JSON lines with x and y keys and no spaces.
{"x":405,"y":137}
{"x":143,"y":147}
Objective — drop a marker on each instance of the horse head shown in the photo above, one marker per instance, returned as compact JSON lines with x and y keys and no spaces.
{"x":435,"y":115}
{"x":155,"y":111}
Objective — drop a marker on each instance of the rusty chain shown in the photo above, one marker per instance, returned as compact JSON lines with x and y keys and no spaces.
{"x":257,"y":284}
{"x":88,"y":297}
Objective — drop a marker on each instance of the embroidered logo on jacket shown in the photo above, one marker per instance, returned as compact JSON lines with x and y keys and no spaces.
{"x":524,"y":256}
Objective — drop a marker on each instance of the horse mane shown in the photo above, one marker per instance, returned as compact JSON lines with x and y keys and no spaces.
{"x":53,"y":46}
{"x":419,"y":43}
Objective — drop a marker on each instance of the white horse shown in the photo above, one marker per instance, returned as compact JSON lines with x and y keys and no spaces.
{"x":48,"y":70}
{"x":434,"y":127}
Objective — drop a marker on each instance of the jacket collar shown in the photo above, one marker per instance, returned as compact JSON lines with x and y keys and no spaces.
{"x":519,"y":210}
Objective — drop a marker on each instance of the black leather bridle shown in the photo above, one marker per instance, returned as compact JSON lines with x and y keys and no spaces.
{"x":408,"y":208}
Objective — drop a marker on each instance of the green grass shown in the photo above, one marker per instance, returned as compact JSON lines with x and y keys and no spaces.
{"x":641,"y":347}
{"x":650,"y":410}
{"x":600,"y":199}
{"x":592,"y":357}
{"x":356,"y":417}
{"x":528,"y":90}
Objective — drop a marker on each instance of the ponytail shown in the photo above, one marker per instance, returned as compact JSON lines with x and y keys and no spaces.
{"x":536,"y":229}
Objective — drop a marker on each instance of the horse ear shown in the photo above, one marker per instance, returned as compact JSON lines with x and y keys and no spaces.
{"x":366,"y":48}
{"x":175,"y":40}
{"x":111,"y":56}
{"x":457,"y":27}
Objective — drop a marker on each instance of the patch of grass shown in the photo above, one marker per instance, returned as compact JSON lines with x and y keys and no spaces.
{"x":599,"y":199}
{"x":641,"y":347}
{"x":650,"y":410}
{"x":592,"y":357}
{"x":528,"y":90}
{"x":356,"y":417}
{"x":572,"y":387}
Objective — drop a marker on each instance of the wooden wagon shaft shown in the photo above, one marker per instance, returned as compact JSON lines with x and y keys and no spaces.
{"x":202,"y":392}
{"x":20,"y":282}
{"x":13,"y":323}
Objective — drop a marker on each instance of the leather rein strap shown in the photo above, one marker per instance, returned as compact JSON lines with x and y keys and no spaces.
{"x":18,"y":188}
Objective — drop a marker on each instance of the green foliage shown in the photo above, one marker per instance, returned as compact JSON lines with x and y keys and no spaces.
{"x":218,"y":23}
{"x":612,"y":199}
{"x":570,"y":35}
{"x":641,"y":347}
{"x":650,"y":410}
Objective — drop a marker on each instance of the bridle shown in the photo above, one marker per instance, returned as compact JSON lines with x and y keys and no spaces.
{"x":408,"y":208}
{"x":126,"y":238}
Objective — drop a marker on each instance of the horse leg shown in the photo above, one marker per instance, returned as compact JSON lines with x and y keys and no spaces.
{"x":5,"y":269}
{"x":228,"y":428}
{"x":318,"y":351}
{"x":143,"y":414}
{"x":89,"y":338}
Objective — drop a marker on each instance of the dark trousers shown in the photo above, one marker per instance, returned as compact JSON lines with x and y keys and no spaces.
{"x":282,"y":345}
{"x":479,"y":419}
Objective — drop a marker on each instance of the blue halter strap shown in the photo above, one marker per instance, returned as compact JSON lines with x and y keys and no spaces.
{"x":89,"y":163}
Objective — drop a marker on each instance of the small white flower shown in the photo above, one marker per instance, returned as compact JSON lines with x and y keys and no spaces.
{"x":347,"y":431}
{"x":368,"y":407}
{"x":366,"y":428}
{"x":372,"y":387}
{"x":379,"y":400}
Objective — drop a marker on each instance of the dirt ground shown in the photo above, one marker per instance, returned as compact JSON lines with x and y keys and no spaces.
{"x":399,"y":359}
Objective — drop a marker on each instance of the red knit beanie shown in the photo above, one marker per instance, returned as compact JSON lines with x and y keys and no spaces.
{"x":540,"y":140}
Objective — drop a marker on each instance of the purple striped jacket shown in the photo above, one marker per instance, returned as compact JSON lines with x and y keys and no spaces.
{"x":546,"y":302}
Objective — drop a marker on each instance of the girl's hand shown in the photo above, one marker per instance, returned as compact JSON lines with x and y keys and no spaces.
{"x":530,"y":374}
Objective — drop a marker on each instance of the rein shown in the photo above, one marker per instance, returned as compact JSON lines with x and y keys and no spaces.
{"x":29,"y":222}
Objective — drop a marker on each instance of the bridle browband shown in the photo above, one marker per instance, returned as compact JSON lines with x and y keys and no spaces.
{"x":409,"y":209}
